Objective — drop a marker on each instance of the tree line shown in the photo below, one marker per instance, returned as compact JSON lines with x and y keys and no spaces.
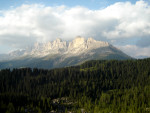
{"x":97,"y":86}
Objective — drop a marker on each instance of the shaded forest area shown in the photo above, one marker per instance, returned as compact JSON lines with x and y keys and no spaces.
{"x":95,"y":86}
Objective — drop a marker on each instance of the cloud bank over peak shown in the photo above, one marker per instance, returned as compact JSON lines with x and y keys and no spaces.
{"x":27,"y":24}
{"x":135,"y":51}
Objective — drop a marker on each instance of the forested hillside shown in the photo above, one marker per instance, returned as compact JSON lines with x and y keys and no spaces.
{"x":95,"y":87}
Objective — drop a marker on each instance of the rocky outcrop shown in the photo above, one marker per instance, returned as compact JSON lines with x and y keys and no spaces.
{"x":60,"y":53}
{"x":78,"y":46}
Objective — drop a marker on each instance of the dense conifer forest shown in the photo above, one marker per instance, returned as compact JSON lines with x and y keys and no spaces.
{"x":93,"y":87}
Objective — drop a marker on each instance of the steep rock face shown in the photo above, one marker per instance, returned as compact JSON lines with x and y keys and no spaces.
{"x":78,"y":46}
{"x":60,"y":53}
{"x":43,"y":49}
{"x":78,"y":42}
{"x":91,"y":43}
{"x":81,"y":46}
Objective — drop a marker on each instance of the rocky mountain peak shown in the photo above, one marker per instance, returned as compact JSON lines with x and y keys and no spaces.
{"x":61,"y":53}
{"x":79,"y":40}
{"x":78,"y":46}
{"x":58,"y":44}
{"x":58,"y":40}
{"x":90,"y":40}
{"x":77,"y":43}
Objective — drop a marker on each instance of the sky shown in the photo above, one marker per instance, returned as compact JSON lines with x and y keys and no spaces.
{"x":124,"y":24}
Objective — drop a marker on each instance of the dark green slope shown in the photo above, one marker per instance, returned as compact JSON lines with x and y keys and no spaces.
{"x":98,"y":86}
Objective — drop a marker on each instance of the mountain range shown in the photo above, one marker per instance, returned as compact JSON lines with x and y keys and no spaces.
{"x":60,"y":53}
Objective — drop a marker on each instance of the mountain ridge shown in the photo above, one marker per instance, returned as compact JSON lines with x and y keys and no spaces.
{"x":59,"y":53}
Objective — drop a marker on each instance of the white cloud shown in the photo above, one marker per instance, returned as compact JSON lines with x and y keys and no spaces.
{"x":136,"y":51}
{"x":27,"y":24}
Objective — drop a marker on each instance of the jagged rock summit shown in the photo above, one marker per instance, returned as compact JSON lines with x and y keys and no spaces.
{"x":78,"y":46}
{"x":59,"y":53}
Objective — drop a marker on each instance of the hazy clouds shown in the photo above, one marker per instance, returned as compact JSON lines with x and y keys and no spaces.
{"x":136,"y":51}
{"x":27,"y":24}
